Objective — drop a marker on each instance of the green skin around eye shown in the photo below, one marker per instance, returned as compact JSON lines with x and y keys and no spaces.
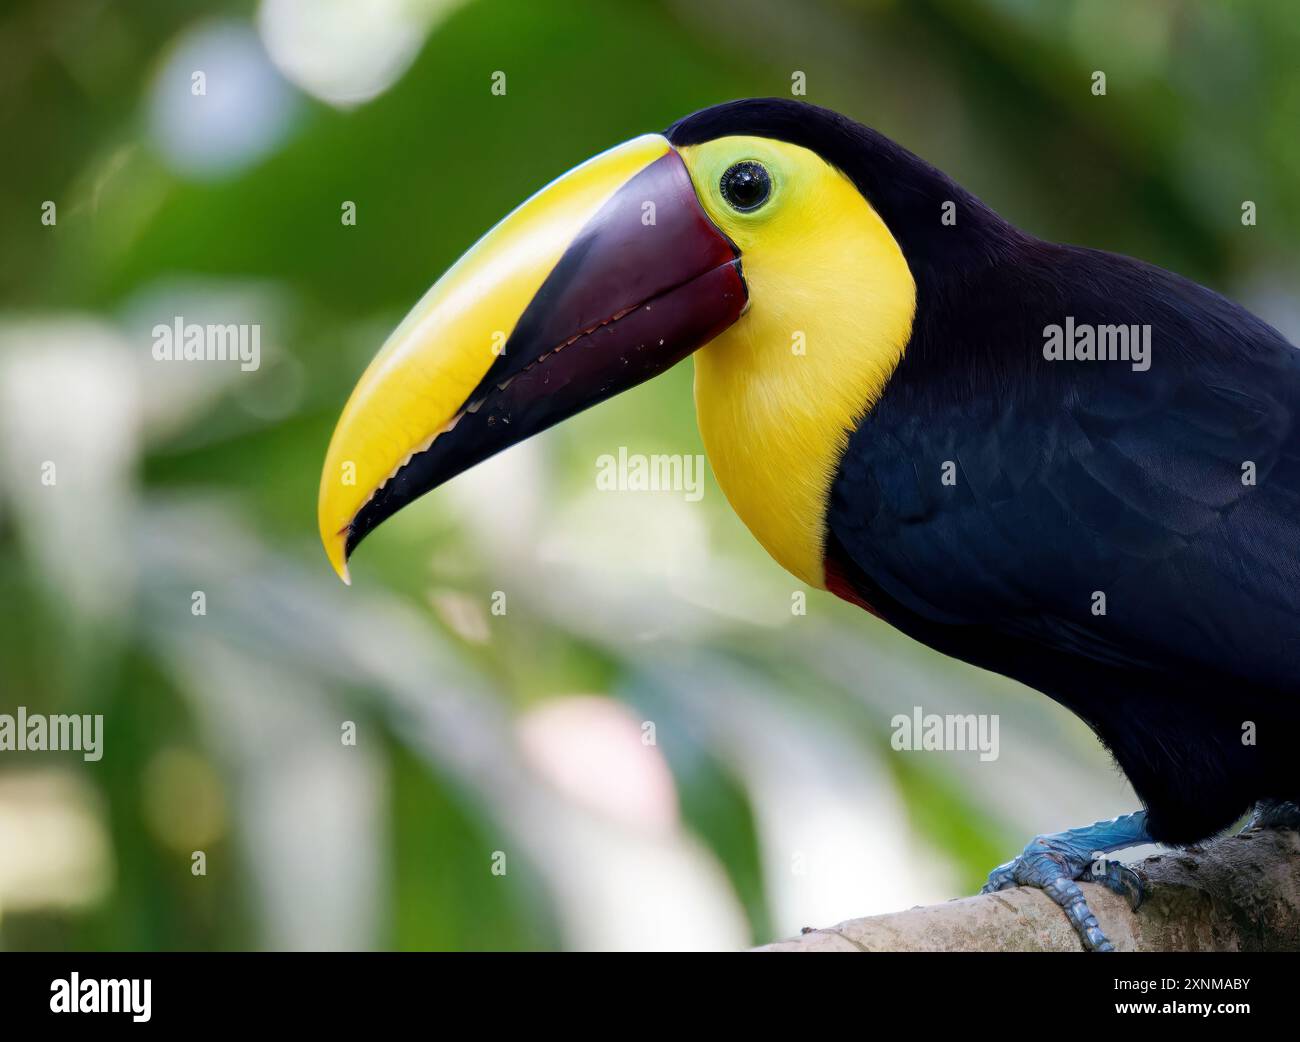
{"x":708,"y":169}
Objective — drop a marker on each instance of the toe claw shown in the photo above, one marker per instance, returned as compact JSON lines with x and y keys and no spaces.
{"x":1119,"y":879}
{"x":1273,"y":814}
{"x":1067,"y":894}
{"x":1001,"y":878}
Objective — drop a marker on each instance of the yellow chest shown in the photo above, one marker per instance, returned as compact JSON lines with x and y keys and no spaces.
{"x":778,"y":394}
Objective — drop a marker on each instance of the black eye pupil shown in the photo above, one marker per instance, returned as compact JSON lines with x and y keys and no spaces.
{"x":746,"y":186}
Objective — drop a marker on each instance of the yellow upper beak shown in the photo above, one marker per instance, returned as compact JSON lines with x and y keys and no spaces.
{"x":420,"y":379}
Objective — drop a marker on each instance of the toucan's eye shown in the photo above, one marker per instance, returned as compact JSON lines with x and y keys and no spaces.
{"x":746,"y":186}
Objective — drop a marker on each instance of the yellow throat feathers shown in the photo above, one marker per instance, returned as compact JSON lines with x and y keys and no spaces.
{"x":831,"y":306}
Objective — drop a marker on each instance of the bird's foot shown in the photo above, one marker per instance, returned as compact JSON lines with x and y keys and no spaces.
{"x":1058,"y":873}
{"x":1274,"y":814}
{"x":1056,"y":864}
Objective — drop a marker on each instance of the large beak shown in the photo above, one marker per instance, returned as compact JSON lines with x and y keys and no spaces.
{"x":608,"y":276}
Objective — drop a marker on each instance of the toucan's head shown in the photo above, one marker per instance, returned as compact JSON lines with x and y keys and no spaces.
{"x":749,"y":227}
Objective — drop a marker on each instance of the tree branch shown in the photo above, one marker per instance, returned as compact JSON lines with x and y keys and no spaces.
{"x":1241,"y":893}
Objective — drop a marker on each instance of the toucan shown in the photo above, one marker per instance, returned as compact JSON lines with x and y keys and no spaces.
{"x":1063,"y":465}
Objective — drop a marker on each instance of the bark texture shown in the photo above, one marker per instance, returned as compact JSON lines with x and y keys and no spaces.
{"x":1241,"y":893}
